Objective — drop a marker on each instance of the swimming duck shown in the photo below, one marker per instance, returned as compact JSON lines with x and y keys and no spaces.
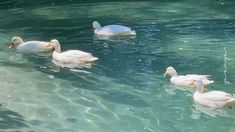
{"x":111,"y":30}
{"x":71,"y":56}
{"x":30,"y":46}
{"x":186,"y":80}
{"x":214,"y":99}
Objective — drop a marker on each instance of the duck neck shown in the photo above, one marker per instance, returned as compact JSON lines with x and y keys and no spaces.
{"x":174,"y":74}
{"x":95,"y":30}
{"x":200,"y":89}
{"x":58,"y":48}
{"x":18,"y":43}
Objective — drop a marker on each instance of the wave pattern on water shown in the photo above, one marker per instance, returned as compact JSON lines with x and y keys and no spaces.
{"x":124,"y":90}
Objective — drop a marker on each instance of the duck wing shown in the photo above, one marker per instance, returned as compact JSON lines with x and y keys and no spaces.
{"x":204,"y":78}
{"x":182,"y":80}
{"x":196,"y":77}
{"x":78,"y":55}
{"x":34,"y":46}
{"x":217,"y":96}
{"x":115,"y":30}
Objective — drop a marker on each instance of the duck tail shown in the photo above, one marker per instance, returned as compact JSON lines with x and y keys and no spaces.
{"x":230,"y":102}
{"x":93,"y":59}
{"x":207,"y":82}
{"x":133,"y":32}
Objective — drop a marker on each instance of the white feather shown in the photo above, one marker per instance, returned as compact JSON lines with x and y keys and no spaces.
{"x":111,"y":30}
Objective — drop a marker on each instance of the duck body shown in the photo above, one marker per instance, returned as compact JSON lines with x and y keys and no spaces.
{"x":34,"y":46}
{"x":214,"y":99}
{"x":186,"y":80}
{"x":71,"y":57}
{"x":112,"y":30}
{"x":30,"y":46}
{"x":181,"y":81}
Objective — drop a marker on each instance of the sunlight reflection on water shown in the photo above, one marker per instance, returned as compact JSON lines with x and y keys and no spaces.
{"x":125,"y":89}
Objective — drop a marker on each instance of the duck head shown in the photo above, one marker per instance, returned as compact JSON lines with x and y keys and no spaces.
{"x":15,"y":41}
{"x":56,"y":44}
{"x":96,"y":25}
{"x":170,"y":71}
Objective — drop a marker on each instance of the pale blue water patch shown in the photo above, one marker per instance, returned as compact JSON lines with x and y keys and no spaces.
{"x":125,"y":89}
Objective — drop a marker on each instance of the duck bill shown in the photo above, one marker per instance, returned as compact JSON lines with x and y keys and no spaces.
{"x":192,"y":83}
{"x":11,"y":46}
{"x":49,"y":46}
{"x":165,"y":74}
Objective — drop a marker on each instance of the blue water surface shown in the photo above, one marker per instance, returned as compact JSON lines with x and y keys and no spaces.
{"x":125,"y":90}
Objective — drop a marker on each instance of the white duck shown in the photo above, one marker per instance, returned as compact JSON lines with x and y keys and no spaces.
{"x":186,"y":80}
{"x":111,"y":30}
{"x":30,"y":46}
{"x":71,"y":56}
{"x":214,"y":99}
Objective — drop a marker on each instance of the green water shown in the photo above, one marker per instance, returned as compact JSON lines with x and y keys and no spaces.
{"x":125,"y":90}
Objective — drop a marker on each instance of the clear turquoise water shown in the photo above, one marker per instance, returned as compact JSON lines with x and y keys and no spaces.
{"x":125,"y":90}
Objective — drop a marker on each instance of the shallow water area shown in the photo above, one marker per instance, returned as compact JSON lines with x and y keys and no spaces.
{"x":123,"y":91}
